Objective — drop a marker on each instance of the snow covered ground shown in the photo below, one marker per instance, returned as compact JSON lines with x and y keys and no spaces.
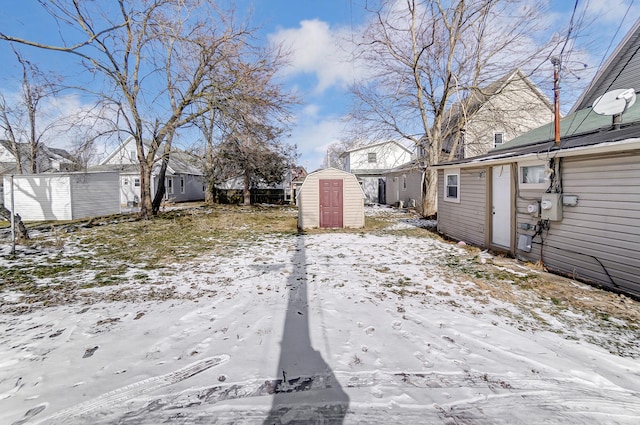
{"x":355,"y":328}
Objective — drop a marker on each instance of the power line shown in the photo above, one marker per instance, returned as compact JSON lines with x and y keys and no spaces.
{"x":602,"y":60}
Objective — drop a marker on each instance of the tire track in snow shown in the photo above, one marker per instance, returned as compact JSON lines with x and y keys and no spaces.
{"x":500,"y":400}
{"x":120,"y":395}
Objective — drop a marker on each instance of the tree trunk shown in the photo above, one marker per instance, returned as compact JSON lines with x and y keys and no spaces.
{"x":160,"y":190}
{"x":430,"y":193}
{"x":146,"y":206}
{"x":6,"y":214}
{"x":247,"y":188}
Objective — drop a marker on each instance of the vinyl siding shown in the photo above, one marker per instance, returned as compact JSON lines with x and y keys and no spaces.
{"x":464,"y":220}
{"x":624,"y":74}
{"x":94,"y":194}
{"x":64,"y":196}
{"x":192,"y":188}
{"x":603,"y":230}
{"x":309,"y":199}
{"x":40,"y":198}
{"x":395,"y":191}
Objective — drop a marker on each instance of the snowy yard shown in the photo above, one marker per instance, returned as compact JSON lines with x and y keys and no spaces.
{"x":381,"y":326}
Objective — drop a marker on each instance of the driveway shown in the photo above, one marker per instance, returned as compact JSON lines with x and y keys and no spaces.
{"x":389,"y":326}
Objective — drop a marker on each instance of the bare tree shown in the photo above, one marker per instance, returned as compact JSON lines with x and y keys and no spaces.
{"x":20,"y":120}
{"x":425,"y":55}
{"x":156,"y":58}
{"x":334,"y":155}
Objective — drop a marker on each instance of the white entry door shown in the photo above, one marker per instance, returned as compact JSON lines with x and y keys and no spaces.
{"x":501,"y":206}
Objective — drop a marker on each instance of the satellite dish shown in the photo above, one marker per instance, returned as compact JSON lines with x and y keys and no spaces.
{"x":614,"y":102}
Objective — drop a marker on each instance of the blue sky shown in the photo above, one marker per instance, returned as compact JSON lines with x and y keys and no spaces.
{"x":320,"y":69}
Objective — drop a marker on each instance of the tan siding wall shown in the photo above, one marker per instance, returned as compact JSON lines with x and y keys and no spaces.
{"x":309,"y":199}
{"x":465,"y":220}
{"x":604,"y":227}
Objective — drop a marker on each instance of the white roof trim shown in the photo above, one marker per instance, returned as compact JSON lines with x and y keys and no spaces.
{"x":605,"y":147}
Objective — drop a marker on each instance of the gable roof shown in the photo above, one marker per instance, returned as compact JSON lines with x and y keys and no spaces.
{"x":583,"y":127}
{"x":620,"y":71}
{"x":475,"y":101}
{"x":180,"y":162}
{"x":24,"y":150}
{"x":584,"y":121}
{"x":617,"y":140}
{"x":373,"y":145}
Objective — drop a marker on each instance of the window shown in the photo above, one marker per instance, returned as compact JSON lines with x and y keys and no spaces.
{"x":532,"y":176}
{"x":169,"y":185}
{"x":136,"y":182}
{"x":452,"y":186}
{"x":498,"y":139}
{"x":371,"y":157}
{"x":133,"y":155}
{"x":125,"y":181}
{"x":404,"y":182}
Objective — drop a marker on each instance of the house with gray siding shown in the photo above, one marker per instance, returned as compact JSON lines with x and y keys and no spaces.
{"x":370,"y":164}
{"x":485,"y":119}
{"x":184,"y":180}
{"x":404,"y":185}
{"x":572,"y":206}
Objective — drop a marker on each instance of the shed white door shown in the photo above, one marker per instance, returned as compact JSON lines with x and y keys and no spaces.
{"x":501,"y":206}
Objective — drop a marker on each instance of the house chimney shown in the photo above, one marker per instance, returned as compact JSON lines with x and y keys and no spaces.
{"x":555,"y":60}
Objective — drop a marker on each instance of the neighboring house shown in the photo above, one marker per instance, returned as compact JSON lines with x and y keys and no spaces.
{"x":330,"y":198}
{"x":494,"y":115}
{"x":184,"y":180}
{"x":483,"y":121}
{"x":404,"y":185}
{"x":293,"y":180}
{"x":574,"y":206}
{"x":62,"y":196}
{"x":47,"y":159}
{"x":371,"y":163}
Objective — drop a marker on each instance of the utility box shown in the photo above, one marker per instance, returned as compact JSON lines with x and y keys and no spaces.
{"x":524,"y":243}
{"x":551,"y":207}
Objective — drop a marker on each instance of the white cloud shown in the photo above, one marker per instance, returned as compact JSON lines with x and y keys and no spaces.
{"x":613,"y":11}
{"x":313,"y":136}
{"x":318,"y":49}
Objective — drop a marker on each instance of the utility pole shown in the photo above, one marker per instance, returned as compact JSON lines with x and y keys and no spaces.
{"x":13,"y":221}
{"x":555,"y":60}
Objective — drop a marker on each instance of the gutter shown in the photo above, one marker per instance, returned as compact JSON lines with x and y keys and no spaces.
{"x":509,"y":157}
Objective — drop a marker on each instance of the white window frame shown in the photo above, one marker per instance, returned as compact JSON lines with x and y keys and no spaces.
{"x":169,"y":185}
{"x":448,"y":173}
{"x":182,"y":184}
{"x":136,"y":182}
{"x":525,"y":185}
{"x":404,"y":182}
{"x":495,"y":133}
{"x":372,"y":157}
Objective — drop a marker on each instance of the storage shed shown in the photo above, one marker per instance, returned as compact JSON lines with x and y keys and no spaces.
{"x":330,"y":198}
{"x":63,"y":196}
